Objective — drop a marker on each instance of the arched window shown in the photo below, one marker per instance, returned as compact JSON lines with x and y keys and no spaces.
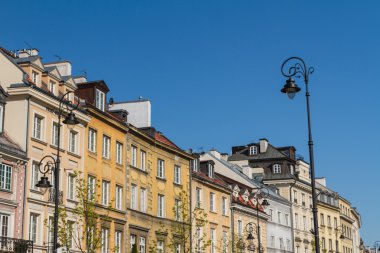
{"x":276,"y":168}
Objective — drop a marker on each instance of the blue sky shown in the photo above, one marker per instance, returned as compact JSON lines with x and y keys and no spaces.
{"x":212,"y":72}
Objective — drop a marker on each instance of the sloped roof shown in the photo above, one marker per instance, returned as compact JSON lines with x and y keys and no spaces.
{"x":158,"y":136}
{"x":270,"y":153}
{"x":7,"y":145}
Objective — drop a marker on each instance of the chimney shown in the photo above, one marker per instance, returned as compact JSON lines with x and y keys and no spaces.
{"x":80,"y":79}
{"x":224,"y":156}
{"x":23,"y":53}
{"x":215,"y":153}
{"x":263,"y":145}
{"x":321,"y":180}
{"x":64,"y":67}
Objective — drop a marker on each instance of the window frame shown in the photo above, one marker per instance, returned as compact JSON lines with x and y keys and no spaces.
{"x":92,"y":135}
{"x":100,"y":98}
{"x":106,"y":147}
{"x":276,"y":168}
{"x":6,"y":176}
{"x":119,"y":152}
{"x":38,"y":122}
{"x":73,"y":142}
{"x":161,"y":168}
{"x":177,"y":174}
{"x":105,"y":192}
{"x":161,"y":206}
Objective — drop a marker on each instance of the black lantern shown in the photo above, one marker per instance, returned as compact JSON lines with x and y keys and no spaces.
{"x":290,"y":88}
{"x":71,"y":120}
{"x":44,"y":183}
{"x":265,"y":203}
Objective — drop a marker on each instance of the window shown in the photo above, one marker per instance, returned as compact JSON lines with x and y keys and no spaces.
{"x":52,"y":87}
{"x":105,"y":193}
{"x":106,"y":147}
{"x":70,"y":229}
{"x":4,"y":225}
{"x":92,"y":140}
{"x":161,"y":206}
{"x":143,"y":200}
{"x":210,"y":170}
{"x":1,"y":117}
{"x":54,"y":135}
{"x":198,"y":197}
{"x":177,"y":174}
{"x":35,"y":77}
{"x":134,"y":156}
{"x":105,"y":242}
{"x":303,"y":199}
{"x":73,"y":142}
{"x":322,"y":219}
{"x":296,"y":221}
{"x":282,"y":243}
{"x":288,"y":245}
{"x":291,"y":166}
{"x":225,"y":241}
{"x":224,"y":205}
{"x":240,"y":228}
{"x":304,"y":223}
{"x":51,"y":230}
{"x":295,"y":196}
{"x":35,"y":176}
{"x":33,"y":220}
{"x":118,"y":238}
{"x":212,"y":202}
{"x":119,"y":152}
{"x":37,"y":127}
{"x":119,"y":197}
{"x":160,"y":246}
{"x":323,"y":243}
{"x":194,"y":164}
{"x":177,"y":248}
{"x":287,"y":219}
{"x":276,"y":168}
{"x":99,"y":100}
{"x":330,"y":244}
{"x":270,"y":214}
{"x":328,"y":221}
{"x":91,"y":184}
{"x":279,"y":217}
{"x":133,"y":196}
{"x":160,"y":168}
{"x":335,"y":223}
{"x":177,"y":206}
{"x":71,"y":186}
{"x":198,"y":237}
{"x":213,"y":240}
{"x":252,"y":150}
{"x":132,"y":241}
{"x":5,"y":177}
{"x":142,"y":160}
{"x":272,"y":241}
{"x":310,"y":202}
{"x":142,"y":244}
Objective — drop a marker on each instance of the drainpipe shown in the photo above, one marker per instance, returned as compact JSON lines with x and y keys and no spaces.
{"x":191,"y":205}
{"x":291,"y":215}
{"x":232,"y":227}
{"x":26,"y":166}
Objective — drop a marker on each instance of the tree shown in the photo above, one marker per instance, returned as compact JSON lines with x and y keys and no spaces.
{"x":79,"y":228}
{"x":187,"y":230}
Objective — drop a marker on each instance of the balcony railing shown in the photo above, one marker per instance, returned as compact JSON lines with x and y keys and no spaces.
{"x":52,"y":196}
{"x":8,"y":245}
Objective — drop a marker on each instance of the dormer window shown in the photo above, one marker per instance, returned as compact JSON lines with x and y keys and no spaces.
{"x":291,"y":166}
{"x":276,"y":168}
{"x":99,"y":100}
{"x":210,"y":170}
{"x":1,"y":117}
{"x":52,"y":87}
{"x":35,"y":77}
{"x":252,"y":150}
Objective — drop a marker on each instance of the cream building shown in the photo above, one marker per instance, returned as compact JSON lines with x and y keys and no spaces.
{"x":34,"y":90}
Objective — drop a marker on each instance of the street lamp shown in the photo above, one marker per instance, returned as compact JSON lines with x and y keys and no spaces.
{"x":299,"y":69}
{"x":53,"y":164}
{"x":376,"y":245}
{"x":262,"y":193}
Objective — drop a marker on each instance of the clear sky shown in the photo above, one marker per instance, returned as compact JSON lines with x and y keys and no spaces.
{"x":212,"y":72}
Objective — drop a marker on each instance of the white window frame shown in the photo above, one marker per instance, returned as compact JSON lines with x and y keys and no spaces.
{"x":177,"y":174}
{"x":35,"y":177}
{"x":73,"y":142}
{"x":240,"y":227}
{"x":161,"y":206}
{"x":104,"y":240}
{"x":91,"y":186}
{"x":142,"y":244}
{"x":33,"y":227}
{"x":38,"y":127}
{"x":252,"y":150}
{"x":143,"y":197}
{"x":276,"y":168}
{"x":142,"y":160}
{"x":106,"y":147}
{"x":5,"y":177}
{"x":5,"y":225}
{"x":210,"y":171}
{"x":100,"y":98}
{"x":52,"y":87}
{"x":54,"y":134}
{"x":105,"y":192}
{"x":160,"y":246}
{"x":212,"y":202}
{"x":134,"y":156}
{"x":279,"y":217}
{"x":119,"y":197}
{"x":92,"y":140}
{"x":118,"y":241}
{"x":132,"y":241}
{"x":71,"y":186}
{"x":224,"y":206}
{"x":119,"y":152}
{"x":160,"y":168}
{"x":213,"y":240}
{"x":133,"y":196}
{"x":198,"y":195}
{"x":35,"y":77}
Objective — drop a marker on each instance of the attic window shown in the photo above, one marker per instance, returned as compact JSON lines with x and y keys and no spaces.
{"x":210,"y":170}
{"x":276,"y":168}
{"x":252,"y":150}
{"x":99,"y":100}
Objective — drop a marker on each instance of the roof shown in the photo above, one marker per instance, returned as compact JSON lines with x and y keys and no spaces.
{"x":158,"y":136}
{"x":7,"y":145}
{"x":27,"y":59}
{"x":271,"y":153}
{"x":217,"y":180}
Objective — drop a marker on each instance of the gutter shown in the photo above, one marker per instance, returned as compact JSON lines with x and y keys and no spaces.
{"x":291,"y":214}
{"x":232,"y":227}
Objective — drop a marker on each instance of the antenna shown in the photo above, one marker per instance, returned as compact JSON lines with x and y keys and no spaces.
{"x":26,"y":43}
{"x":84,"y":72}
{"x":58,"y":57}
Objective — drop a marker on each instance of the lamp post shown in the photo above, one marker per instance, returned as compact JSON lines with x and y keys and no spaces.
{"x":298,"y":68}
{"x":262,"y":193}
{"x":376,"y":245}
{"x":53,"y":164}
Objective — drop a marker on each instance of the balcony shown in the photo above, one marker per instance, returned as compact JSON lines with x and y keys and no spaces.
{"x":52,"y":196}
{"x":8,"y":245}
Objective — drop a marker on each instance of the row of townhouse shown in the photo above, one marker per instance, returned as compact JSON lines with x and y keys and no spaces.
{"x":139,"y":176}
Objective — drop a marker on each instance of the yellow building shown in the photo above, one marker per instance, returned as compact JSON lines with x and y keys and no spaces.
{"x":158,"y":171}
{"x":105,"y":160}
{"x":346,"y":225}
{"x":328,"y":211}
{"x":211,"y":194}
{"x":35,"y":89}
